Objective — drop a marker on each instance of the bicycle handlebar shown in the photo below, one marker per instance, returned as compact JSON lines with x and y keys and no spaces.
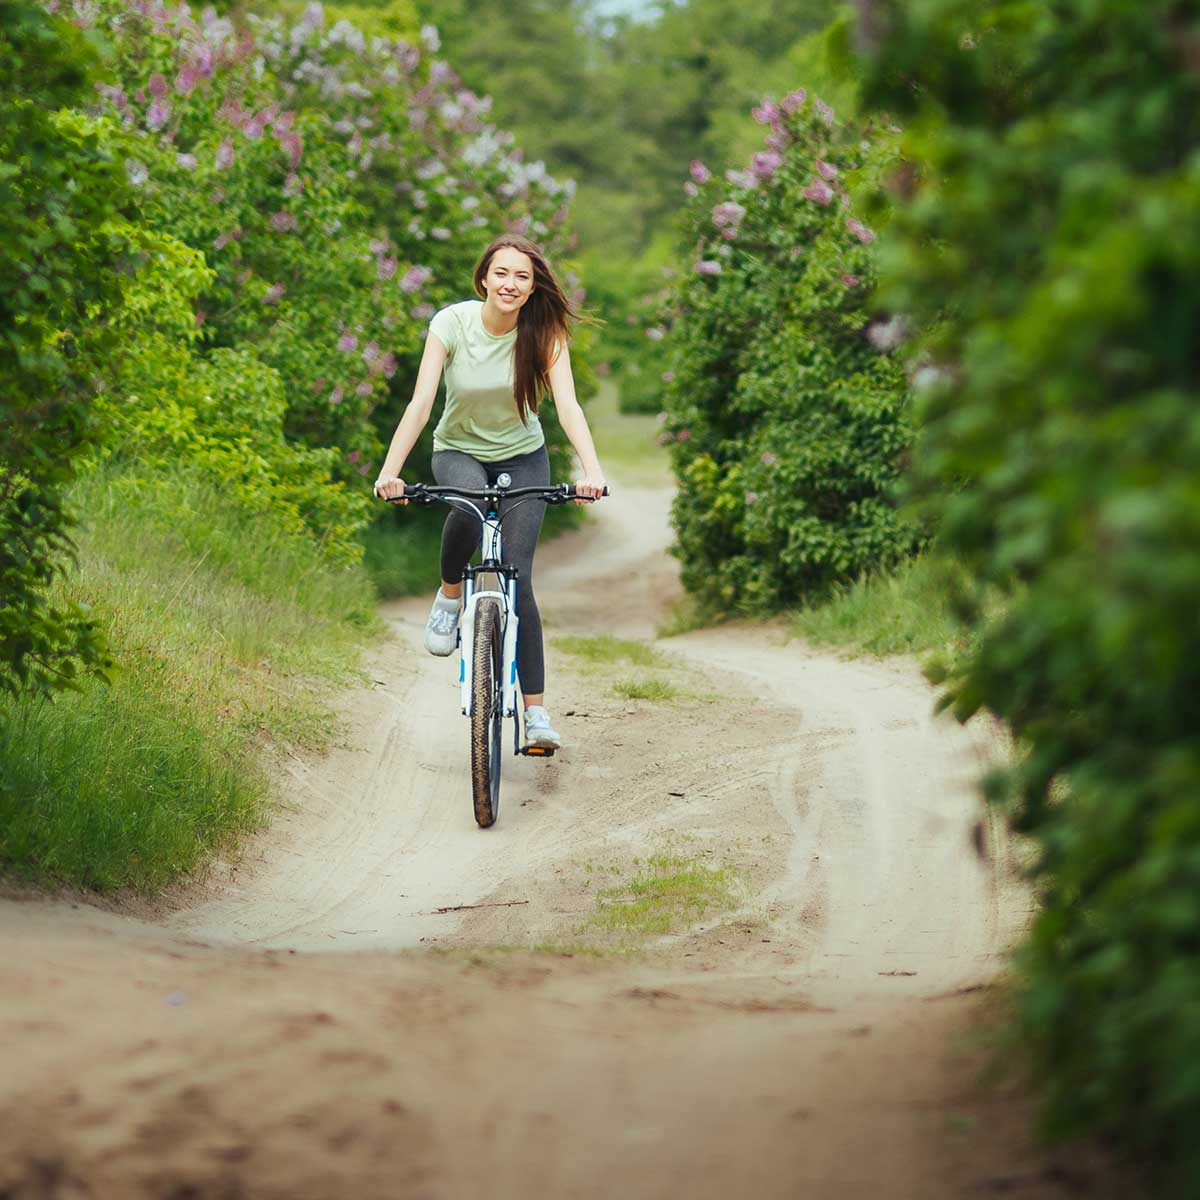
{"x":423,"y":493}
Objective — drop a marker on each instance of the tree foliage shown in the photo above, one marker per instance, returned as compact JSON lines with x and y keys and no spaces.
{"x":785,"y":409}
{"x":1048,"y":236}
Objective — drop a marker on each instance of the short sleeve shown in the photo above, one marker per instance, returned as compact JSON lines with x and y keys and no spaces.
{"x":445,"y":326}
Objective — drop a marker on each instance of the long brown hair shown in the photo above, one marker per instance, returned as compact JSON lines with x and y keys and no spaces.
{"x":542,"y":321}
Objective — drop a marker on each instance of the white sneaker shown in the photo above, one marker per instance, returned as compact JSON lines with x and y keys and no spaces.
{"x":539,"y":731}
{"x":442,"y":626}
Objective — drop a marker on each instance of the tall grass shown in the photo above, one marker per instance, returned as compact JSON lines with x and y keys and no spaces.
{"x":226,"y":629}
{"x":909,"y":610}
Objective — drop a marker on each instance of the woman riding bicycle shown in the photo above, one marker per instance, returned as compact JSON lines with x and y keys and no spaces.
{"x":500,"y":355}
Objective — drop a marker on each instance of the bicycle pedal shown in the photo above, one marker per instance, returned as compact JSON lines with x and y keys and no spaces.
{"x":538,"y":751}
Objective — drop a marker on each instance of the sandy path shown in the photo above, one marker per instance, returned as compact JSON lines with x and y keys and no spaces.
{"x":815,"y":1041}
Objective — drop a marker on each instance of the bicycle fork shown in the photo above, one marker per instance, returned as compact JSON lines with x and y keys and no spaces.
{"x":507,"y":599}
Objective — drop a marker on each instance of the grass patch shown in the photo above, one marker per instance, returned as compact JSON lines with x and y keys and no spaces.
{"x":669,"y":890}
{"x":607,"y":650}
{"x":626,"y":441}
{"x":227,"y":632}
{"x":907,"y":611}
{"x":645,"y":689}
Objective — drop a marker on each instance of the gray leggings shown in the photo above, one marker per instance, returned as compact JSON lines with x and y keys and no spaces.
{"x":460,"y":540}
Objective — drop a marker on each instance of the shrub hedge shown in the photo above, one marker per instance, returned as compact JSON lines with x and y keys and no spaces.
{"x":786,"y":410}
{"x":1048,"y":233}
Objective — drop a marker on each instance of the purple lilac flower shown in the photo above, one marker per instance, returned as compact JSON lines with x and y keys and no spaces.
{"x":293,"y":185}
{"x":335,"y":397}
{"x":415,"y":278}
{"x":353,"y":456}
{"x":699,"y":172}
{"x":291,"y":144}
{"x":793,"y":100}
{"x":769,"y":458}
{"x":708,"y":266}
{"x":668,"y":377}
{"x":348,"y":342}
{"x":157,"y":86}
{"x":766,"y":164}
{"x":422,"y":312}
{"x":690,"y":189}
{"x":751,"y":497}
{"x":824,"y":111}
{"x":859,"y":230}
{"x":766,"y":112}
{"x":826,"y":170}
{"x":818,"y":191}
{"x":224,"y":157}
{"x":283,"y":221}
{"x":274,"y":293}
{"x":371,"y":353}
{"x":851,"y":281}
{"x":728,"y":215}
{"x":158,"y":115}
{"x":253,"y":128}
{"x":221,"y":241}
{"x":684,"y":435}
{"x":388,"y":365}
{"x":363,"y":389}
{"x":186,"y":80}
{"x":385,"y":267}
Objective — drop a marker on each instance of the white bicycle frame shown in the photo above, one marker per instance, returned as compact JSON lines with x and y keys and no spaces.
{"x":490,"y":559}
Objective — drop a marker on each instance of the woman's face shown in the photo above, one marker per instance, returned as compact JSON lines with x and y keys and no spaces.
{"x":509,"y":279}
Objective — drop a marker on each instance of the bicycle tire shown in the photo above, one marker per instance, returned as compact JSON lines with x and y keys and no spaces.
{"x":487,"y":713}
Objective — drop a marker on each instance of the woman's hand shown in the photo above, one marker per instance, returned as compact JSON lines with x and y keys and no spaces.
{"x":390,"y":487}
{"x":591,"y":485}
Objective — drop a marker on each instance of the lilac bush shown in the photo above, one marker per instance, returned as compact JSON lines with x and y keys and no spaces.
{"x":340,"y":186}
{"x":786,"y":407}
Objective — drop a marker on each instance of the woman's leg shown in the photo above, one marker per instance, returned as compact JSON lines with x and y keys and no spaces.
{"x":460,"y":534}
{"x":521,"y":531}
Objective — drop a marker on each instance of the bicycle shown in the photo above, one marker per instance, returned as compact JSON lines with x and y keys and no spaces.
{"x":487,"y":632}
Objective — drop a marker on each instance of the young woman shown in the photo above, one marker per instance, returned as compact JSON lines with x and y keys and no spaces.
{"x":500,"y":354}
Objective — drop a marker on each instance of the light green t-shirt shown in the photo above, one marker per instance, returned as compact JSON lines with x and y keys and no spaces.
{"x":480,"y":417}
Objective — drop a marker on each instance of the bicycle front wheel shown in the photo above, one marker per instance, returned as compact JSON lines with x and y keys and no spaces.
{"x":487,"y":713}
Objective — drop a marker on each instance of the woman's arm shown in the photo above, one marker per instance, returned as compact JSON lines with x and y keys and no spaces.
{"x":575,"y":426}
{"x":416,"y":415}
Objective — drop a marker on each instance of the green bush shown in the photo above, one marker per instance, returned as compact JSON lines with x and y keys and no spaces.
{"x":61,"y":256}
{"x":1048,"y":234}
{"x":787,"y":412}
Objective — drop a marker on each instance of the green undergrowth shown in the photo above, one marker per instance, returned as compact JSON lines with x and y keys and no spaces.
{"x":908,"y":610}
{"x":227,"y":631}
{"x":402,"y":558}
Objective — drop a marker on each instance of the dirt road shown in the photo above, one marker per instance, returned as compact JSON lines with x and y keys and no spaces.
{"x":331,"y":1017}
